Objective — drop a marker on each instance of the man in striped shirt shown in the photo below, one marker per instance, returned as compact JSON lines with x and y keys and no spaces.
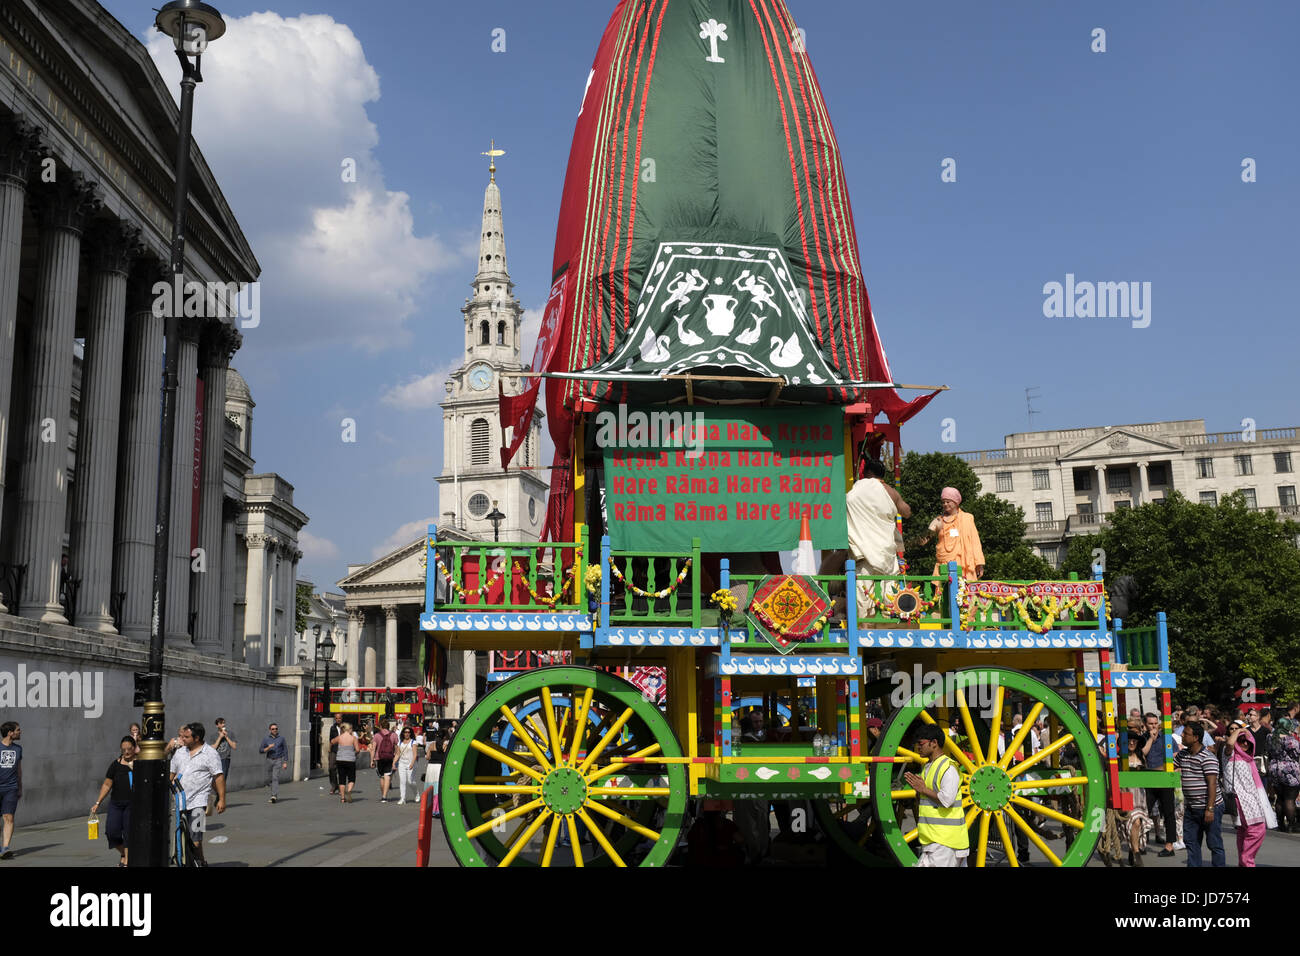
{"x":1204,"y":811}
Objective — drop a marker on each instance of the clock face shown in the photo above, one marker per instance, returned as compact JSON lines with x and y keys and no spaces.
{"x":480,"y":377}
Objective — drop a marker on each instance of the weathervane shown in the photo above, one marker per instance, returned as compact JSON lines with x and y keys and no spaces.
{"x":492,"y":155}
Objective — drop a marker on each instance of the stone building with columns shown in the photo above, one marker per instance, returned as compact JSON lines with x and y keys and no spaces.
{"x":88,"y":132}
{"x":1068,"y":481}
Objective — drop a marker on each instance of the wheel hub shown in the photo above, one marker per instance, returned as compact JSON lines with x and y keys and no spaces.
{"x":990,"y":788}
{"x":564,"y":790}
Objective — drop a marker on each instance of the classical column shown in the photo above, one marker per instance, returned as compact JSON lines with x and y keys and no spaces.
{"x":43,"y":509}
{"x":137,"y":492}
{"x":356,"y":619}
{"x":230,"y":510}
{"x":1101,"y":492}
{"x":368,"y":653}
{"x":1143,"y":487}
{"x":217,"y":346}
{"x":390,"y":645}
{"x":183,"y":480}
{"x":255,"y":601}
{"x":97,"y":430}
{"x":270,"y":574}
{"x":18,"y":142}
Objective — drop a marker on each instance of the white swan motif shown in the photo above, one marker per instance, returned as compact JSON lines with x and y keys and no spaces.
{"x":750,"y":336}
{"x":785,"y":354}
{"x":813,"y":377}
{"x":747,"y":667}
{"x":654,"y":350}
{"x":684,"y":335}
{"x":821,"y":773}
{"x":765,"y":773}
{"x":947,"y":641}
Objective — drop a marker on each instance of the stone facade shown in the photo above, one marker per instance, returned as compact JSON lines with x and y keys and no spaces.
{"x":1069,"y":481}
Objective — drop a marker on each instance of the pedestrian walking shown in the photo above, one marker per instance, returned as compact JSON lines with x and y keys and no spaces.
{"x":435,"y":753}
{"x":118,"y":780}
{"x":197,"y":768}
{"x":385,"y":749}
{"x":1254,"y":815}
{"x":407,"y":752}
{"x":336,"y":728}
{"x":11,"y":782}
{"x":1284,"y":771}
{"x":1203,"y":815}
{"x":346,"y":760}
{"x":277,"y":759}
{"x":224,"y":745}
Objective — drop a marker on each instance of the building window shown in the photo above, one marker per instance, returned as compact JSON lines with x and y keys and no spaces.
{"x":1122,"y":504}
{"x":1205,"y":468}
{"x":1118,"y":479}
{"x":1003,"y":480}
{"x":483,"y":333}
{"x":478,"y":442}
{"x":1158,"y":474}
{"x":1282,"y":462}
{"x":1042,"y":479}
{"x":1249,"y":495}
{"x":1084,"y":508}
{"x":532,"y":510}
{"x":1243,"y":464}
{"x":1052,"y":554}
{"x":1043,"y":511}
{"x":478,"y":505}
{"x":501,"y":333}
{"x":1209,"y":497}
{"x":1286,"y":496}
{"x":1083,"y":479}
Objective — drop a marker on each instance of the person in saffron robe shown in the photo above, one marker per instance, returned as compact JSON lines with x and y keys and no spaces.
{"x":958,"y":539}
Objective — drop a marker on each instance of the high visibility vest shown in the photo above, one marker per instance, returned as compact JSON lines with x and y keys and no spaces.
{"x":935,"y":823}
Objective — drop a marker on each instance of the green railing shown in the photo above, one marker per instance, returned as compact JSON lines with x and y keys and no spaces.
{"x":1139,"y":648}
{"x":513,"y":572}
{"x":651,"y":572}
{"x":743,"y":631}
{"x":1008,"y":618}
{"x":902,"y":600}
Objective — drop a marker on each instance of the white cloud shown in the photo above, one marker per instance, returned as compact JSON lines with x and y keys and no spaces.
{"x":403,"y":535}
{"x":532,"y":324}
{"x":419,"y":392}
{"x":316,"y":549}
{"x":282,"y":111}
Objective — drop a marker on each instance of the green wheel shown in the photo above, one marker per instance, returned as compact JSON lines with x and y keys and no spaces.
{"x":560,"y":795}
{"x":1002,"y":796}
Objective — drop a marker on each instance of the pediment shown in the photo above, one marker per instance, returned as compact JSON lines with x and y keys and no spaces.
{"x":1120,"y":443}
{"x":397,"y":567}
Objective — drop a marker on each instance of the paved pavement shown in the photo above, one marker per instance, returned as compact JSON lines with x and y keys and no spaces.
{"x":308,"y":827}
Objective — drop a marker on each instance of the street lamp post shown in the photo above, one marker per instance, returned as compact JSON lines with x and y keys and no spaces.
{"x":191,"y":25}
{"x":496,"y":517}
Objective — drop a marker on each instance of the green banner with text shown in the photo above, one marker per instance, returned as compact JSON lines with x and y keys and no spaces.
{"x":739,"y":479}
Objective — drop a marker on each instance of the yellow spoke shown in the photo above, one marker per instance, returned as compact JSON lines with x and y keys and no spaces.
{"x":604,"y":741}
{"x":615,"y":767}
{"x":525,"y":839}
{"x":497,"y":779}
{"x":1048,"y":782}
{"x":539,"y":732}
{"x":523,"y":735}
{"x":600,"y":838}
{"x":573,"y":840}
{"x":1006,"y":839}
{"x":616,"y":793}
{"x":910,"y":755}
{"x":623,"y":819}
{"x":911,"y":835}
{"x":498,"y":788}
{"x":982,"y":840}
{"x":974,"y":810}
{"x":580,"y":725}
{"x":554,"y":738}
{"x":995,"y":727}
{"x":550,"y":839}
{"x":1019,"y":738}
{"x":969,"y":726}
{"x":510,"y":840}
{"x":949,"y":747}
{"x":1034,"y":838}
{"x":902,"y":794}
{"x":1042,"y":754}
{"x":1048,"y":812}
{"x":505,"y":758}
{"x":499,"y":821}
{"x":564,"y":730}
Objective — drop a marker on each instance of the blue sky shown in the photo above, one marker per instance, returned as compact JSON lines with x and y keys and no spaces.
{"x":1117,"y":166}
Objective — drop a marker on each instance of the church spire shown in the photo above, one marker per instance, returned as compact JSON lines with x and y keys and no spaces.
{"x":493,"y":279}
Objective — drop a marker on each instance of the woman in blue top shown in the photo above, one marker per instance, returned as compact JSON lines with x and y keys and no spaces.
{"x":118,"y":779}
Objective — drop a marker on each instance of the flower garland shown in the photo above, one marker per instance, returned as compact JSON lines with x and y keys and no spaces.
{"x":1048,"y":608}
{"x":651,"y":594}
{"x":593,"y":580}
{"x":552,"y":600}
{"x":481,"y":590}
{"x":726,"y":603}
{"x":889,"y":607}
{"x":779,"y":630}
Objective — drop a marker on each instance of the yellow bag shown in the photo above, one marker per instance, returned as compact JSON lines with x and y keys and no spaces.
{"x":92,"y":827}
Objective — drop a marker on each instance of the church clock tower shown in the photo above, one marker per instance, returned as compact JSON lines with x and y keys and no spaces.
{"x":472,"y":482}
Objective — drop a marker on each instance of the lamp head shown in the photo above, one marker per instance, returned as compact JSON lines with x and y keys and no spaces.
{"x":191,"y":24}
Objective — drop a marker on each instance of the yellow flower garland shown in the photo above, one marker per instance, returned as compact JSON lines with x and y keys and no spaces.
{"x":726,"y":602}
{"x":555,"y":599}
{"x":647,"y":594}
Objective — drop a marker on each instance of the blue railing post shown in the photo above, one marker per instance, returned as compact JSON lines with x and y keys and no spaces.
{"x":1120,"y":642}
{"x":605,"y":575}
{"x":851,"y":604}
{"x":696,"y":576}
{"x":954,"y":612}
{"x":724,"y":634}
{"x":431,"y":569}
{"x":1162,"y":639}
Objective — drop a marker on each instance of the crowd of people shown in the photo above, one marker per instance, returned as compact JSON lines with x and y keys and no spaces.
{"x":389,"y":751}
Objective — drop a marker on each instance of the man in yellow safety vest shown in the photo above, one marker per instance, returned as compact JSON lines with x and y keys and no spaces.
{"x":940,"y":820}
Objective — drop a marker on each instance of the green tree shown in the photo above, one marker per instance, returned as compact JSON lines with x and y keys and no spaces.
{"x":1227,"y":578}
{"x":302,"y":608}
{"x":1000,"y":523}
